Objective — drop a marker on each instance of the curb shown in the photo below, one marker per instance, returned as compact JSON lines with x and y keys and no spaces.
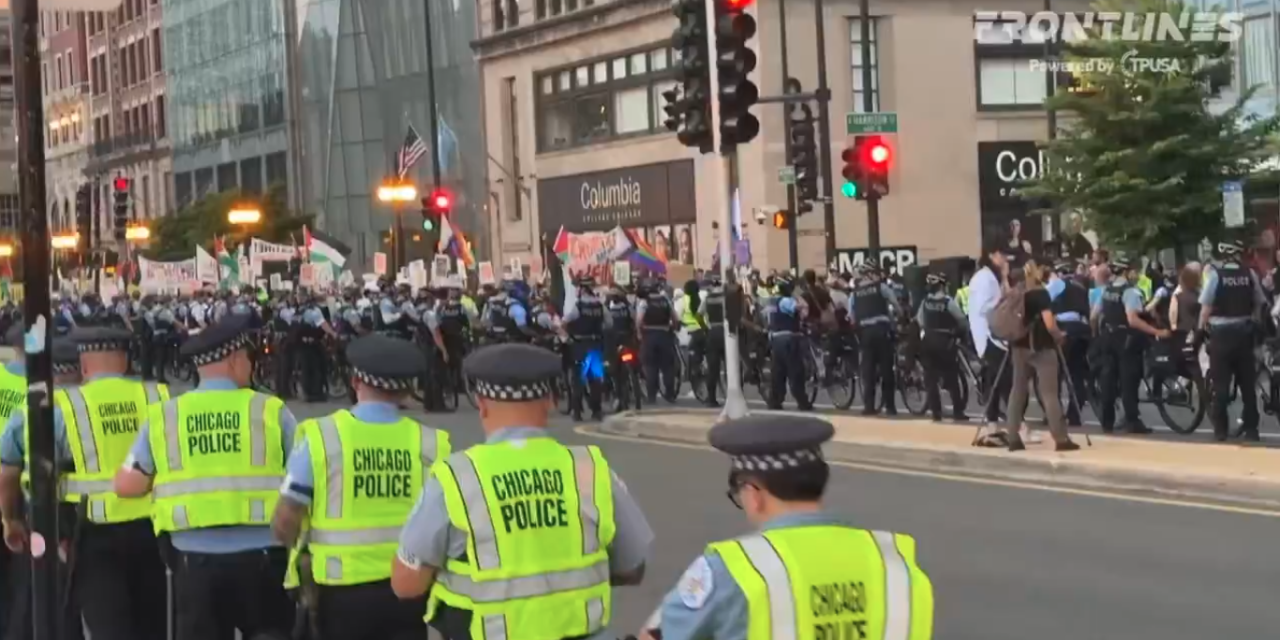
{"x":1060,"y":471}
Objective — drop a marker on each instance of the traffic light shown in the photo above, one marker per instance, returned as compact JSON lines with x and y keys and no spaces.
{"x":84,"y":217}
{"x":688,"y":106}
{"x":434,"y":207}
{"x":852,"y":173}
{"x":780,"y":220}
{"x":877,"y":156}
{"x":120,"y":207}
{"x":735,"y":61}
{"x":804,"y":157}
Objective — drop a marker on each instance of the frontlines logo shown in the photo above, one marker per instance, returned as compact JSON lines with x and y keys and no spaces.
{"x":1130,"y":61}
{"x":1017,"y":27}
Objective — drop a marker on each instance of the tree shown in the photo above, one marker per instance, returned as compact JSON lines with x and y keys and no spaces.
{"x":175,"y":237}
{"x":1143,"y":157}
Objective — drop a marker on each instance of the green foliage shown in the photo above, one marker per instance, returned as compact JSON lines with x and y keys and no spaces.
{"x":1142,"y":156}
{"x":175,"y":237}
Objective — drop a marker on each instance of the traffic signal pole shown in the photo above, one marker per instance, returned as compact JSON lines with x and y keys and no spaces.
{"x":793,"y":208}
{"x":735,"y":402}
{"x":824,"y":121}
{"x":432,"y":107}
{"x":36,"y":318}
{"x":868,"y":106}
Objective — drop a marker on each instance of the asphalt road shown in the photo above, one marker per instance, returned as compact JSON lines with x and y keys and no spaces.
{"x":1007,"y":562}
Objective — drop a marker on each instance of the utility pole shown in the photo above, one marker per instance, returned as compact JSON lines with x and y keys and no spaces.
{"x":824,"y":122}
{"x":432,"y":107}
{"x":36,"y":318}
{"x":1051,"y":115}
{"x":868,"y":106}
{"x":793,"y":207}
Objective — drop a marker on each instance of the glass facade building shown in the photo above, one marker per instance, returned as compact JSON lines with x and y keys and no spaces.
{"x":226,"y":76}
{"x":362,"y":83}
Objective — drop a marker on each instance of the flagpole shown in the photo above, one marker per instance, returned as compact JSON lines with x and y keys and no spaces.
{"x":431,"y":85}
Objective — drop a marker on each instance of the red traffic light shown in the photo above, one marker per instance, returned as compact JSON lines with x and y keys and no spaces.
{"x":121,"y":184}
{"x":879,"y":154}
{"x":440,"y":200}
{"x":737,"y":5}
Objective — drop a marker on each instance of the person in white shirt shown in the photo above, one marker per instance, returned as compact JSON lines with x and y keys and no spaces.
{"x":985,"y":289}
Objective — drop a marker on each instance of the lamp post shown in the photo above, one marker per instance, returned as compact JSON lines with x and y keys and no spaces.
{"x":244,"y":216}
{"x":396,"y":193}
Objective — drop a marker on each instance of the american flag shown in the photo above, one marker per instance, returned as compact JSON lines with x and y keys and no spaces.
{"x":412,"y":149}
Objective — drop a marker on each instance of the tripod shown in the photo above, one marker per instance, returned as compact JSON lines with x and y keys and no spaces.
{"x":1004,"y":362}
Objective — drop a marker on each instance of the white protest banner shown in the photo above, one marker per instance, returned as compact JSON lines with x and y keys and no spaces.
{"x":380,"y":263}
{"x":206,"y":265}
{"x":263,"y":251}
{"x":418,"y":274}
{"x":486,"y":273}
{"x":439,"y":268}
{"x":167,"y":274}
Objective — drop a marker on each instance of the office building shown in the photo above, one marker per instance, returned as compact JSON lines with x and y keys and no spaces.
{"x":8,"y":132}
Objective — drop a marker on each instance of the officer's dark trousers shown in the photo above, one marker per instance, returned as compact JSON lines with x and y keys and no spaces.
{"x":579,"y":350}
{"x":456,"y":345}
{"x":162,"y":348}
{"x":1231,"y":360}
{"x":311,"y":360}
{"x":877,"y":366}
{"x":658,"y":355}
{"x":1075,"y":353}
{"x":284,"y":354}
{"x":370,"y":612}
{"x":938,"y":357}
{"x":215,"y":594}
{"x":787,"y":364}
{"x":120,"y":582}
{"x":714,"y":361}
{"x":1122,"y":373}
{"x":995,"y":362}
{"x":146,"y":353}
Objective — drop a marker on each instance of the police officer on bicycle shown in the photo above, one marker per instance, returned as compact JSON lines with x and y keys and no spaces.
{"x":1229,"y":307}
{"x":941,"y":321}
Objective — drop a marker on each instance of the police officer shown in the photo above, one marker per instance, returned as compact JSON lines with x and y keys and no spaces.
{"x":713,"y":316}
{"x":506,"y":318}
{"x":850,"y":583}
{"x":873,"y":305}
{"x":786,"y":344}
{"x":941,"y":322}
{"x":284,"y":332}
{"x":1119,"y":322}
{"x":163,"y":324}
{"x":657,"y":341}
{"x":1229,"y":306}
{"x":353,"y":501}
{"x":13,"y":375}
{"x":311,"y":332}
{"x":1069,"y":302}
{"x":620,"y":336}
{"x":213,"y":460}
{"x":455,"y":325}
{"x":119,"y":573}
{"x":542,"y":504}
{"x":586,"y":323}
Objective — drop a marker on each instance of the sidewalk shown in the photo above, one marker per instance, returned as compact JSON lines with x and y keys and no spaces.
{"x":1247,"y":474}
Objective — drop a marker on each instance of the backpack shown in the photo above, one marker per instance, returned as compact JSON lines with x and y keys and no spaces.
{"x":1008,"y":320}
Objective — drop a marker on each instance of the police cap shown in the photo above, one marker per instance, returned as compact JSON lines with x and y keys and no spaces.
{"x":1119,"y":264}
{"x":771,"y":442}
{"x":101,"y":339}
{"x":1065,"y":267}
{"x":512,"y":372}
{"x":386,"y":363}
{"x":218,"y":342}
{"x":934,"y":279}
{"x":66,"y":356}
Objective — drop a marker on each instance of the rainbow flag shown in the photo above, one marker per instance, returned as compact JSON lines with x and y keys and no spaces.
{"x":643,"y":255}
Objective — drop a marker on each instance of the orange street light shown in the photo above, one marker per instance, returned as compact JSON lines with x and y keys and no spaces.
{"x":397,"y":192}
{"x":6,"y":250}
{"x":244,"y":215}
{"x":137,"y":233}
{"x":66,"y":242}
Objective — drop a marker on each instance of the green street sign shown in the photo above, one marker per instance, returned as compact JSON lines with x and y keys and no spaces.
{"x":787,"y":174}
{"x":856,"y":123}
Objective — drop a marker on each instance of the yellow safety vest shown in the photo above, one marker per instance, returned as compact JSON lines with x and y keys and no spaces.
{"x":688,"y":318}
{"x":367,"y":480}
{"x":962,"y":298}
{"x":1144,"y":285}
{"x":102,"y":419}
{"x":13,"y":392}
{"x":539,"y":521}
{"x":830,"y":581}
{"x":219,"y":459}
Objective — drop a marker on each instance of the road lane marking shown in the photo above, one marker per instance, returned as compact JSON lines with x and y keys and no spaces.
{"x":585,"y":430}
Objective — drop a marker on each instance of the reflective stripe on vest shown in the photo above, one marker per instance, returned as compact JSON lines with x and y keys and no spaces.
{"x":766,"y":556}
{"x":527,"y":596}
{"x":104,"y":506}
{"x":343,"y":551}
{"x":214,"y":493}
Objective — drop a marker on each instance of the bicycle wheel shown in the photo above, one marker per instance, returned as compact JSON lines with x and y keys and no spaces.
{"x":911,"y":388}
{"x":466,"y":390}
{"x":1182,"y":403}
{"x":636,"y":383}
{"x":844,"y":387}
{"x":1266,"y":399}
{"x":962,"y":385}
{"x":338,"y":382}
{"x":696,"y":384}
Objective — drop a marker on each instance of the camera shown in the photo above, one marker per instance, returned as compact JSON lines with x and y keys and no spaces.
{"x":760,"y":217}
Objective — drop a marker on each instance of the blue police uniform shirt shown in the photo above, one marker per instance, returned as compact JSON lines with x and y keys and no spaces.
{"x":313,"y":317}
{"x":1055,"y":287}
{"x":390,"y":312}
{"x":220,"y":539}
{"x":1210,"y":292}
{"x":300,"y":481}
{"x":707,"y":602}
{"x":1095,"y":296}
{"x":519,"y":315}
{"x":13,"y":442}
{"x":428,"y":538}
{"x":953,"y":308}
{"x":572,"y":313}
{"x":1132,"y":297}
{"x":891,"y":300}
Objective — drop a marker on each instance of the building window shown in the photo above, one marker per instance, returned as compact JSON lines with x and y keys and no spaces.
{"x":1007,"y":75}
{"x":1256,"y":54}
{"x":602,"y":99}
{"x":161,"y":131}
{"x":856,"y":65}
{"x":62,"y":72}
{"x":155,"y":51}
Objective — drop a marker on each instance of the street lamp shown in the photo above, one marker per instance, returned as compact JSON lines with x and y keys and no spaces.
{"x":396,"y":193}
{"x":137,"y":233}
{"x":6,"y":251}
{"x":244,"y":215}
{"x":66,"y":242}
